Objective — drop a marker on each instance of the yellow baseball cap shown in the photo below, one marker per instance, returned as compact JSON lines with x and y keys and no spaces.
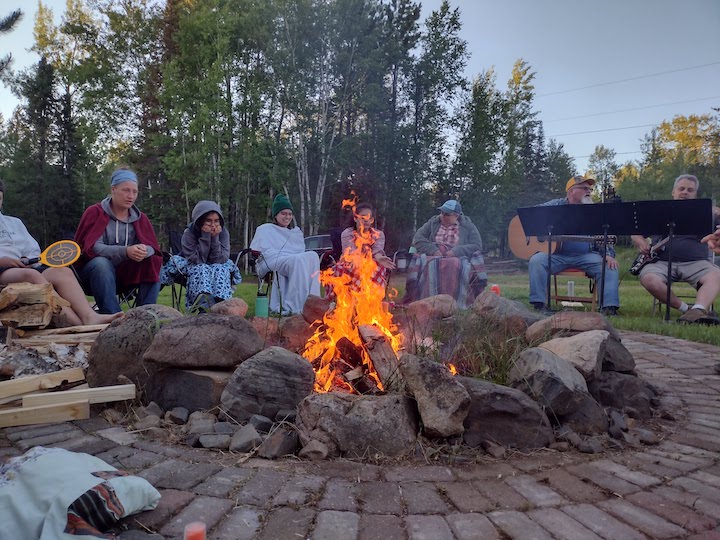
{"x":578,"y":179}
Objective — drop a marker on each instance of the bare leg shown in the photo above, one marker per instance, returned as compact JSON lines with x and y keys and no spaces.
{"x":657,"y":286}
{"x":709,"y":288}
{"x":68,"y":287}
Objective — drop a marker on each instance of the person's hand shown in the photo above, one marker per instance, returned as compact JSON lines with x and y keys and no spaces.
{"x":385,"y":262}
{"x":437,"y":253}
{"x":642,"y":245}
{"x":450,"y":253}
{"x":713,"y":241}
{"x":611,"y":263}
{"x":137,"y":252}
{"x":10,"y":262}
{"x":213,"y":228}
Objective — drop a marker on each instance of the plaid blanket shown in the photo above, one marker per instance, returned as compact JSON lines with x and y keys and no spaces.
{"x":463,"y":278}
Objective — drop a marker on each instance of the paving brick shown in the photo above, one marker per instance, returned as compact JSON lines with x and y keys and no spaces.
{"x":223,"y":483}
{"x":287,"y":523}
{"x":707,"y":535}
{"x":697,"y":487}
{"x":92,"y":424}
{"x":19,"y":433}
{"x":687,"y":452}
{"x":340,"y":494}
{"x":655,"y":465}
{"x":518,"y":525}
{"x":601,"y":523}
{"x":501,"y":495}
{"x":638,"y":478}
{"x":428,"y":528}
{"x":649,"y":523}
{"x":187,"y":477}
{"x":472,"y":527}
{"x":171,"y":503}
{"x":535,"y":492}
{"x":381,"y":527}
{"x":548,"y":461}
{"x":423,"y":498}
{"x":465,"y":497}
{"x":691,"y":500}
{"x":699,"y":441}
{"x":418,"y":474}
{"x":118,"y":435}
{"x":47,"y":440}
{"x":380,"y":498}
{"x":242,"y":523}
{"x":128,"y":458}
{"x":563,"y":527}
{"x":603,"y":479}
{"x":571,"y":486}
{"x":160,"y":470}
{"x":359,"y":472}
{"x":672,"y":511}
{"x":298,"y":490}
{"x":334,"y":525}
{"x":260,"y":488}
{"x":706,"y":477}
{"x":481,"y":472}
{"x":89,"y":444}
{"x":209,"y":510}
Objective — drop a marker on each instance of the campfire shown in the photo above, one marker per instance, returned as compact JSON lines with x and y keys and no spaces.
{"x":354,"y":347}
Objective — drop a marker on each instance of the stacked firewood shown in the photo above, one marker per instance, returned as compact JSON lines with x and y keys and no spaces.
{"x":29,"y":305}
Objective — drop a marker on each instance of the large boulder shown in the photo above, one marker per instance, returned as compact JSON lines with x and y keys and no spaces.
{"x":442,"y":401}
{"x":569,"y":323}
{"x":315,"y":308}
{"x":195,"y":390}
{"x":231,"y":306}
{"x":510,"y":315}
{"x":550,"y":380}
{"x":505,"y":416}
{"x":584,"y":351}
{"x":423,"y":313}
{"x":272,"y":380}
{"x":119,"y":349}
{"x":617,"y":357}
{"x":206,"y":341}
{"x":358,"y":426}
{"x":588,"y":418}
{"x":294,"y":332}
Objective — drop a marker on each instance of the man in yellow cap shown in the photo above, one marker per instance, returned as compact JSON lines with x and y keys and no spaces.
{"x":586,"y":256}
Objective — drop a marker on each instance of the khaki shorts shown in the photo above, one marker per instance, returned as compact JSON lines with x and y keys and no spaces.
{"x":689,"y":272}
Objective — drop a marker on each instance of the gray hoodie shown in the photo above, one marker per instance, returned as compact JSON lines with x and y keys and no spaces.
{"x":118,"y":235}
{"x":200,"y":247}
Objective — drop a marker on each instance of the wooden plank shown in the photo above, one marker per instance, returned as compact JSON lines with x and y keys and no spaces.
{"x":16,"y":401}
{"x":45,"y":414}
{"x":33,"y":383}
{"x":85,"y":340}
{"x":83,"y":329}
{"x":102,"y":394}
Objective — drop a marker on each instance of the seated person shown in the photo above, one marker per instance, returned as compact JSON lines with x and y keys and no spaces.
{"x":119,"y":247}
{"x":204,"y":262}
{"x":282,"y":250}
{"x":448,"y":258}
{"x":362,"y":238}
{"x":690,"y":263}
{"x":585,"y":256}
{"x":17,"y":244}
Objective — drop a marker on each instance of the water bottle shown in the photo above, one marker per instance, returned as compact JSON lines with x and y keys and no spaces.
{"x":261,"y":306}
{"x":571,"y":288}
{"x":495,"y":288}
{"x":195,"y":531}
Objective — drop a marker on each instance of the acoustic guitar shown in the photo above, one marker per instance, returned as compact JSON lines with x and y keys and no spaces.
{"x":524,"y":247}
{"x":641,"y":260}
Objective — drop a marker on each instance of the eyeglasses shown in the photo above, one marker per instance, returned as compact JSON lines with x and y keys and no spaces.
{"x":584,"y":188}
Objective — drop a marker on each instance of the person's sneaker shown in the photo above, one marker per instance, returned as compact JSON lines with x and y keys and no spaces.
{"x":693,"y":315}
{"x":609,"y":311}
{"x":539,"y":306}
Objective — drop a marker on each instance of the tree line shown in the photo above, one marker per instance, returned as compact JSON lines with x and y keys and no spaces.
{"x":237,"y":100}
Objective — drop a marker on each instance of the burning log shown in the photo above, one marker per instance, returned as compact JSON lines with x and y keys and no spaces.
{"x":382,"y":355}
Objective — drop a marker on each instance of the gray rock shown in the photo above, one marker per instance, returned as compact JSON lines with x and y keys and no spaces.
{"x":194,"y":390}
{"x":510,"y":315}
{"x":552,"y":381}
{"x":505,"y":416}
{"x":245,"y":439}
{"x":585,"y":351}
{"x":314,"y":450}
{"x":442,"y":401}
{"x":495,"y":450}
{"x":272,"y":380}
{"x":294,"y":332}
{"x":118,"y":350}
{"x":568,"y":323}
{"x":261,"y":423}
{"x":200,"y":423}
{"x":151,"y":408}
{"x":281,"y":442}
{"x":210,"y":341}
{"x":218,"y":441}
{"x":225,"y":428}
{"x":286,"y":415}
{"x":617,"y":357}
{"x":148,"y":422}
{"x":590,"y":446}
{"x":588,"y":417}
{"x":177,"y":415}
{"x":354,"y":426}
{"x":421,"y":314}
{"x":622,"y":391}
{"x":232,"y":306}
{"x":315,"y":308}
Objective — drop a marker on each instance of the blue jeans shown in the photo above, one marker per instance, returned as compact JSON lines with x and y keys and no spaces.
{"x":98,"y":278}
{"x":590,"y":263}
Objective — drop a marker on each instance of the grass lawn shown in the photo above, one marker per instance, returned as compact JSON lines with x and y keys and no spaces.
{"x":636,"y":304}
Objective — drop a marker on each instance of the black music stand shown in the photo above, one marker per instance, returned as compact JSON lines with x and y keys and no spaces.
{"x":688,"y":217}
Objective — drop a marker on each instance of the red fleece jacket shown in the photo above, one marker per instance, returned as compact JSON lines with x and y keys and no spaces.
{"x":91,"y":228}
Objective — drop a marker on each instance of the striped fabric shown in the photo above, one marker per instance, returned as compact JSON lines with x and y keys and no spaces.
{"x":463,"y":278}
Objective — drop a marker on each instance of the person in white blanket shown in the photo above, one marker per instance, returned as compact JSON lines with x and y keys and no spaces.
{"x":281,"y":245}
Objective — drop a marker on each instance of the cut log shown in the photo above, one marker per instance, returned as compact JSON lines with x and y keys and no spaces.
{"x":38,"y":315}
{"x":61,"y":339}
{"x":8,"y":297}
{"x":83,"y":329}
{"x":33,"y":383}
{"x":44,"y":414}
{"x":382,"y":355}
{"x":32,"y":293}
{"x":102,"y":394}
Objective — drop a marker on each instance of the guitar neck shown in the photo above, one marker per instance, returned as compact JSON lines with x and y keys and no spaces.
{"x":574,"y":238}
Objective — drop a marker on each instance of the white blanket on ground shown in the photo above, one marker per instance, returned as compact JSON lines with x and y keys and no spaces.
{"x":283,"y":252}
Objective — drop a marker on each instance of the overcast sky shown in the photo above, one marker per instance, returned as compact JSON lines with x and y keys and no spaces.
{"x":663,"y":57}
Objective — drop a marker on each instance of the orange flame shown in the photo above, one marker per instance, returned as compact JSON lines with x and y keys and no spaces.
{"x":358,"y":301}
{"x":452,"y":369}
